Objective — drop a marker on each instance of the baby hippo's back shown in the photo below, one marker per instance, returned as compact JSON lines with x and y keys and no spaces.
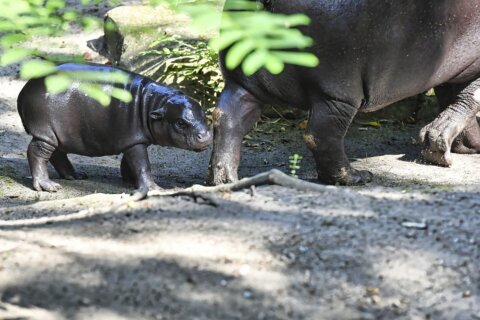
{"x":74,"y":122}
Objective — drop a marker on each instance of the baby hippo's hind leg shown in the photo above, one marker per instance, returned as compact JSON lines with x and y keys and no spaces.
{"x":64,"y":167}
{"x":38,"y":153}
{"x":126,"y":171}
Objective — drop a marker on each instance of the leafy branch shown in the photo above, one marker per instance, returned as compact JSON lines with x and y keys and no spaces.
{"x":22,"y":20}
{"x":252,"y":37}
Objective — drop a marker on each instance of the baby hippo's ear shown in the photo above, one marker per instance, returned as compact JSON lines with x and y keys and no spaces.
{"x":157,"y":114}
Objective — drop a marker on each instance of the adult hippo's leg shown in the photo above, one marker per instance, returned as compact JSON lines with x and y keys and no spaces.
{"x":38,"y":154}
{"x":139,"y":166}
{"x":234,"y":117}
{"x":327,"y":125}
{"x":456,"y":128}
{"x":64,"y":167}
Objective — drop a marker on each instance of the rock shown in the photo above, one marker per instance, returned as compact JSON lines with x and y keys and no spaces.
{"x":247,"y":294}
{"x":415,"y":225}
{"x":130,"y":30}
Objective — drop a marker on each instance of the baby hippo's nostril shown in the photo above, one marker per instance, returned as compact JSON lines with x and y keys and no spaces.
{"x":204,"y":136}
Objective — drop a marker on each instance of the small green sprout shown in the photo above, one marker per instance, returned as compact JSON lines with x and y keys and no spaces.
{"x":295,"y":164}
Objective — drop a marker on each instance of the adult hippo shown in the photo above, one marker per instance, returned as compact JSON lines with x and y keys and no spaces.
{"x":372,"y":53}
{"x":73,"y":122}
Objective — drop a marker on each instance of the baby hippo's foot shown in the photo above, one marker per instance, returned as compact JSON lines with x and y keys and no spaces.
{"x":46,"y":185}
{"x":142,"y":191}
{"x":153,"y":186}
{"x":76,"y":176}
{"x":149,"y":186}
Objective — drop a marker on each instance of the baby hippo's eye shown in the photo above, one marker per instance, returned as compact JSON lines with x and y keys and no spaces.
{"x":181,"y":124}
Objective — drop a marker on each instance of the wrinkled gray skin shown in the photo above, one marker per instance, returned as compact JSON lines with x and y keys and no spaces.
{"x":72,"y":122}
{"x":372,"y":53}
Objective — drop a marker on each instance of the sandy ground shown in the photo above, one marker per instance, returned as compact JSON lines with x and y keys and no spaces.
{"x":405,"y":246}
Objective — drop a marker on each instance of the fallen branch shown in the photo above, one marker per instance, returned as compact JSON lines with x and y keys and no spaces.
{"x":272,"y":177}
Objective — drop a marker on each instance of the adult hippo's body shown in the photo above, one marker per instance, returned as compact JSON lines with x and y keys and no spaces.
{"x":372,"y":53}
{"x":73,"y":122}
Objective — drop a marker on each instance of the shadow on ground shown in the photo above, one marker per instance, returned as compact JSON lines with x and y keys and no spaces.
{"x":277,"y":255}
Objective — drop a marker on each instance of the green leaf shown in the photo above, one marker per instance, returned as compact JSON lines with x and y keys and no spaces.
{"x":122,"y":95}
{"x":36,"y":69}
{"x":226,"y":39}
{"x":233,"y":5}
{"x":12,"y":9}
{"x":296,"y":20}
{"x":238,"y":52}
{"x":96,"y":92}
{"x":57,"y":83}
{"x":273,"y":64}
{"x":254,"y":62}
{"x":305,"y":59}
{"x":110,"y":25}
{"x":14,"y":55}
{"x":110,"y":76}
{"x":11,"y":39}
{"x":70,"y":15}
{"x":55,"y":4}
{"x":90,"y":23}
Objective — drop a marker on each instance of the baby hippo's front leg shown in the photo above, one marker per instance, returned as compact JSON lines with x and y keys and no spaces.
{"x":136,"y":162}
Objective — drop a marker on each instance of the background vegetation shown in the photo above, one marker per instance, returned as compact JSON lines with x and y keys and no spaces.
{"x":253,"y":39}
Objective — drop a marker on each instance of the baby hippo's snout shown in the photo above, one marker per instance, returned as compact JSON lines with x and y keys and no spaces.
{"x":203,"y":139}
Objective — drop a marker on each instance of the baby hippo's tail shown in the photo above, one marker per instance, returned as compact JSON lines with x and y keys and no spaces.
{"x":20,"y":104}
{"x":26,"y":98}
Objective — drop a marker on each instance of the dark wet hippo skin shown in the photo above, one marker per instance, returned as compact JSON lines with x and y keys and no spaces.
{"x":372,"y":53}
{"x":72,"y":122}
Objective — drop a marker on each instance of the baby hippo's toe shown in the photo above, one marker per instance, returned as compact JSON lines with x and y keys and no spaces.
{"x":81,"y":175}
{"x":76,"y":176}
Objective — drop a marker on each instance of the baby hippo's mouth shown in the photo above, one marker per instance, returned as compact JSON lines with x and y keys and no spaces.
{"x":201,"y":149}
{"x":202,"y":141}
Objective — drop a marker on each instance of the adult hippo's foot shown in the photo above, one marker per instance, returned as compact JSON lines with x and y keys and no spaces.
{"x":456,"y":128}
{"x":234,"y":117}
{"x":328,"y":123}
{"x":468,"y":142}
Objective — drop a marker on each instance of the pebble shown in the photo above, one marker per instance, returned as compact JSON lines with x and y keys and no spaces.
{"x":244,"y":270}
{"x":467,"y":294}
{"x":415,"y":225}
{"x":247,"y":294}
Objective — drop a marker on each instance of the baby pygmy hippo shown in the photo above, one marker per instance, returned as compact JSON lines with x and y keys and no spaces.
{"x":72,"y":122}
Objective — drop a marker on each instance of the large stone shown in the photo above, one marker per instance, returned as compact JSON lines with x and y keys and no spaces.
{"x":130,"y":30}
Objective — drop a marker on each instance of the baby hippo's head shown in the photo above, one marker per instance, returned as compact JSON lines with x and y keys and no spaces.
{"x":180,"y":122}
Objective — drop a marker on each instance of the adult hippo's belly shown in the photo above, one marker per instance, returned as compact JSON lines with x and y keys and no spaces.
{"x":372,"y":53}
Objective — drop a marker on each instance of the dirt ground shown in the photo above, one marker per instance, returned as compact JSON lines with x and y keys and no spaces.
{"x":405,"y":246}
